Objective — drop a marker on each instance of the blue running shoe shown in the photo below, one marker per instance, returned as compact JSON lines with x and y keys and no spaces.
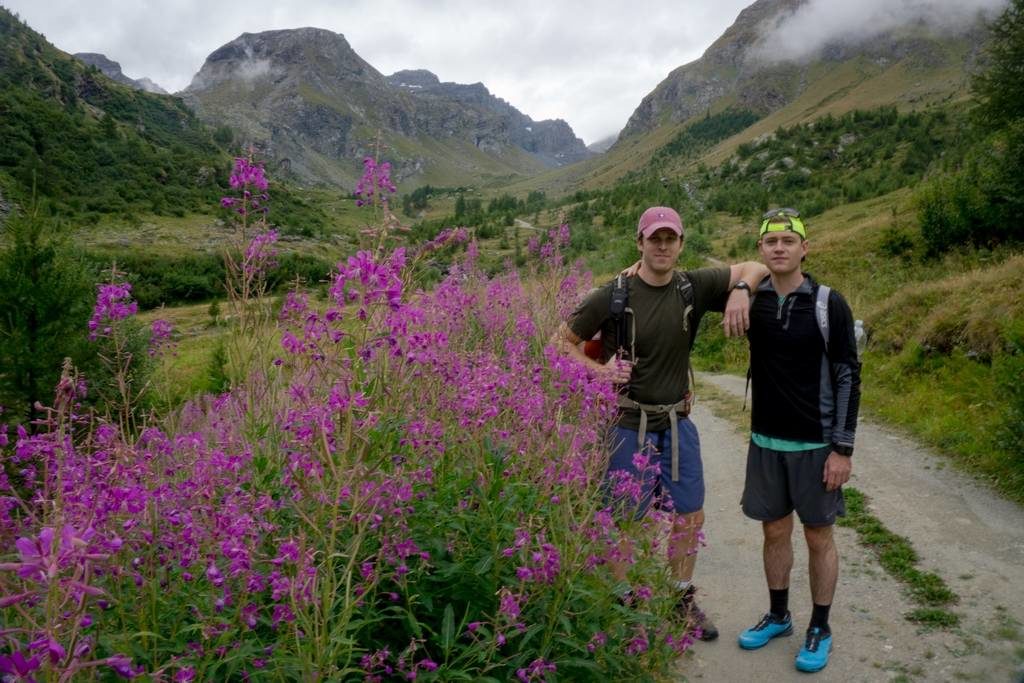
{"x":813,"y":655}
{"x":769,"y":627}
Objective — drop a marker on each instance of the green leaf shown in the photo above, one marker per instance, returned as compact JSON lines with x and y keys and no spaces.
{"x":149,"y":634}
{"x":447,"y":629}
{"x":484,"y":565}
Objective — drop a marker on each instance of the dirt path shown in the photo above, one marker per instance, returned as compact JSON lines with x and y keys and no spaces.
{"x":966,"y":534}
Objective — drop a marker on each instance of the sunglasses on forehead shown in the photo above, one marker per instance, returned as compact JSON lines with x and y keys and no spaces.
{"x":784,"y":212}
{"x":783,"y":219}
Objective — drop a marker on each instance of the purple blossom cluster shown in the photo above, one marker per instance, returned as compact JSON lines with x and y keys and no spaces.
{"x":250,"y":180}
{"x":113,"y":303}
{"x":374,"y":183}
{"x":260,"y":254}
{"x":160,"y":336}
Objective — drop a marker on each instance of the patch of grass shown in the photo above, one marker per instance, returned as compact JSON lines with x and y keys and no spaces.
{"x":898,"y":557}
{"x":933,"y":617}
{"x":1007,"y":627}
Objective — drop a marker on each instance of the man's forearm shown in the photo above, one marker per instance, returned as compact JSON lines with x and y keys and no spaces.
{"x":750,"y":272}
{"x":568,"y":344}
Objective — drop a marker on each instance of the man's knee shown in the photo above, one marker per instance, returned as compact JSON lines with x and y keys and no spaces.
{"x":778,"y":530}
{"x":690,"y":521}
{"x":819,"y":538}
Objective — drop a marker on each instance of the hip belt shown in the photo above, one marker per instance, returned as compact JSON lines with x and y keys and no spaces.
{"x":674,"y":410}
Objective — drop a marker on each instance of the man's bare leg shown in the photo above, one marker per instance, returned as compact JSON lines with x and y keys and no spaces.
{"x":778,"y":551}
{"x":684,"y":543}
{"x":824,"y":563}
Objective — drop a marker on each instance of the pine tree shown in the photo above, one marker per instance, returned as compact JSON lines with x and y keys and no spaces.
{"x":45,"y":305}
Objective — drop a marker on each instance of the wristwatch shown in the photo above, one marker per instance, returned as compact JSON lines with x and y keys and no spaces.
{"x":744,"y":286}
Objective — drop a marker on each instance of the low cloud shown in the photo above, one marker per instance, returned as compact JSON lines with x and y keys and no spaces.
{"x":802,"y":34}
{"x":251,"y":69}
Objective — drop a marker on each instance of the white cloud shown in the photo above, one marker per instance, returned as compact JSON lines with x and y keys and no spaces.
{"x":821,"y":22}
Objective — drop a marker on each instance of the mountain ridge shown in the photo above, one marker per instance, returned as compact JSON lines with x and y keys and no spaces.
{"x":316,"y":108}
{"x":112,"y":70}
{"x":733,"y":68}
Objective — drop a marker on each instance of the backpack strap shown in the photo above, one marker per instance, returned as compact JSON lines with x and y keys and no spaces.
{"x":617,"y":309}
{"x":685,"y":289}
{"x":821,"y":312}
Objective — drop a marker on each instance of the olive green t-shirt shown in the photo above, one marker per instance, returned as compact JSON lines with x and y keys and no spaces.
{"x":662,"y":338}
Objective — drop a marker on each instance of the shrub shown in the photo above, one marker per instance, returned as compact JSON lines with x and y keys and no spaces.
{"x":951,"y":210}
{"x":896,"y":243}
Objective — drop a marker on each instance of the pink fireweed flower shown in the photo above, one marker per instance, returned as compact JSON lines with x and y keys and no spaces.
{"x":537,"y":670}
{"x":287,"y":551}
{"x":638,"y":644}
{"x":509,"y":604}
{"x":260,"y":253}
{"x":247,"y":174}
{"x":17,"y":667}
{"x":250,"y":180}
{"x":159,"y":336}
{"x":50,"y":647}
{"x":40,"y":561}
{"x":448,"y":236}
{"x":122,"y":666}
{"x":113,"y":303}
{"x":375,"y":181}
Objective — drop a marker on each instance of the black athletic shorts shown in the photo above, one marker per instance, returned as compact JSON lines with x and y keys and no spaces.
{"x":779,"y":482}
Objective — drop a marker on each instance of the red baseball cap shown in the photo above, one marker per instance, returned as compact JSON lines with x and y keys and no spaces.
{"x":656,"y":218}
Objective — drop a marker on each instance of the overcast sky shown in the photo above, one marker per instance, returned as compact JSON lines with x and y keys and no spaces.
{"x":589,"y":62}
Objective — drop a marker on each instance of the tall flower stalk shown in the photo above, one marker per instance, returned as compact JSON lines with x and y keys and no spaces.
{"x":249,"y":258}
{"x":114,"y":305}
{"x":374,"y":191}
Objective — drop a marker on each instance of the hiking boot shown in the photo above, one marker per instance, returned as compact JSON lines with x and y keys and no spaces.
{"x":769,"y":627}
{"x":695,"y":616}
{"x":813,"y":656}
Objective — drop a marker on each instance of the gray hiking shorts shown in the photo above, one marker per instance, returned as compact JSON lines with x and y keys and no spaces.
{"x":779,"y":482}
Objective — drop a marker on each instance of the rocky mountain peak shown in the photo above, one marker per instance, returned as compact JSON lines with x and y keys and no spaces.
{"x":112,"y":70}
{"x":272,"y":55}
{"x":413,"y":78}
{"x":306,"y":99}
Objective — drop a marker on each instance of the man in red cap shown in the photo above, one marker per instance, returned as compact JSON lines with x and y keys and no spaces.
{"x":648,"y":323}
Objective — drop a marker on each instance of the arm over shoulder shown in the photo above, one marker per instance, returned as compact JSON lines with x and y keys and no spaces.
{"x":710,"y":287}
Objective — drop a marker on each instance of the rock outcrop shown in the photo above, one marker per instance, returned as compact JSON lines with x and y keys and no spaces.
{"x":112,"y":70}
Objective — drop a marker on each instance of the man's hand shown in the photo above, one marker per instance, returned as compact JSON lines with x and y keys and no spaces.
{"x":616,"y":370}
{"x":837,"y":471}
{"x":632,"y":270}
{"x":736,"y":319}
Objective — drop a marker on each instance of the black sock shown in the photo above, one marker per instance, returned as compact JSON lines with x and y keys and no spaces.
{"x":780,"y":601}
{"x":819,"y":617}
